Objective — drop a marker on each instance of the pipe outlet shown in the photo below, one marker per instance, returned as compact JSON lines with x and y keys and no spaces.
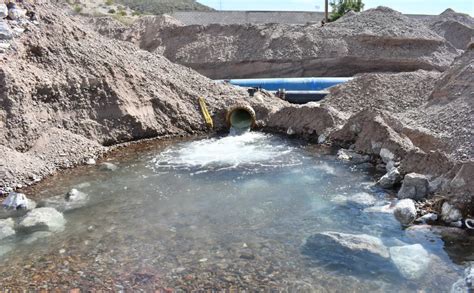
{"x":241,"y":116}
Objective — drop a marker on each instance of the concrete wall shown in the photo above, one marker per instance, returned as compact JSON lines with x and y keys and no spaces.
{"x":255,"y":17}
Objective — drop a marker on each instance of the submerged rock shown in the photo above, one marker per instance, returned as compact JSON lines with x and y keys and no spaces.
{"x":4,"y":249}
{"x":346,"y":249}
{"x":405,"y":211}
{"x":466,"y":283}
{"x":411,"y":260}
{"x":415,"y":186}
{"x":75,"y":195}
{"x":90,"y":161}
{"x":106,"y":166}
{"x":36,"y":236}
{"x":74,"y":199}
{"x":43,"y":219}
{"x":362,"y":199}
{"x":6,"y":228}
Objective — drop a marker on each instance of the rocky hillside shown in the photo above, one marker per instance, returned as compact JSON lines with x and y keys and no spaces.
{"x":375,"y":40}
{"x":65,"y":91}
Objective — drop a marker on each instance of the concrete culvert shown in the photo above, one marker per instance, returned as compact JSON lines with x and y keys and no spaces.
{"x":241,"y":117}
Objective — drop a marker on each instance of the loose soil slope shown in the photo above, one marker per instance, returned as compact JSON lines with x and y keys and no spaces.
{"x":378,"y":39}
{"x":67,"y":90}
{"x":456,"y":28}
{"x":423,"y":118}
{"x":448,"y":114}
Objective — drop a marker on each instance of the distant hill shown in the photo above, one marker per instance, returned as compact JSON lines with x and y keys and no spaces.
{"x":164,"y":6}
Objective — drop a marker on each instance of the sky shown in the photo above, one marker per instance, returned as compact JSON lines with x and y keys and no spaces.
{"x":405,"y":6}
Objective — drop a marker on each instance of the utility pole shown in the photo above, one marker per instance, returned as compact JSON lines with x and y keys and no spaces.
{"x":326,"y":11}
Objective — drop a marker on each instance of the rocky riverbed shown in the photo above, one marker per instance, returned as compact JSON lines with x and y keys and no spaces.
{"x":229,"y":223}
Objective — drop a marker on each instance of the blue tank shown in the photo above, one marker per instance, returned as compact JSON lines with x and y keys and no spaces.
{"x":290,"y":84}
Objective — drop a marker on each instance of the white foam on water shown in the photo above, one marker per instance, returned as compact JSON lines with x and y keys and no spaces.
{"x":248,"y":150}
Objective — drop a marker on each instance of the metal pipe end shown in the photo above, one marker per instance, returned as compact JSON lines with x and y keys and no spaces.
{"x":241,"y":116}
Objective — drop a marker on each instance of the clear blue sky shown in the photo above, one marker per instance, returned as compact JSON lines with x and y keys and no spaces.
{"x":405,"y":6}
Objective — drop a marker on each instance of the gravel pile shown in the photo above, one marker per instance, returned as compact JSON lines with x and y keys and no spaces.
{"x":448,"y":114}
{"x":66,"y":76}
{"x":376,"y":40}
{"x":392,"y":92}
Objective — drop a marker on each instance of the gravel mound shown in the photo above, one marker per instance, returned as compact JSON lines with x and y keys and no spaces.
{"x":448,"y":113}
{"x":66,"y":91}
{"x":456,"y":28}
{"x":393,"y":92}
{"x":375,"y":40}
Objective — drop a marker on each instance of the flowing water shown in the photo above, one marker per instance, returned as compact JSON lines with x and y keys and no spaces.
{"x":220,"y":213}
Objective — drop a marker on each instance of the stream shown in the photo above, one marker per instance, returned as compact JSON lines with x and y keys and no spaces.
{"x":220,"y":213}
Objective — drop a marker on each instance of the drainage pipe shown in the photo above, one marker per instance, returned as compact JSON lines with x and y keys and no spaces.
{"x":241,"y":117}
{"x":290,"y":84}
{"x":302,"y":97}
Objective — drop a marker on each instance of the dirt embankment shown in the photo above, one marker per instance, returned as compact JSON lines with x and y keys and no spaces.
{"x":65,"y":91}
{"x":423,"y":118}
{"x":375,"y":40}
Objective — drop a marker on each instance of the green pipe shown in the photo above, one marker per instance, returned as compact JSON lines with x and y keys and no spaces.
{"x":241,"y":117}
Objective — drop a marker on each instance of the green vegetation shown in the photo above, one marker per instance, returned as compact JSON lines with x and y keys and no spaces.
{"x":123,"y":19}
{"x":163,"y":6}
{"x":341,"y":7}
{"x":77,"y":8}
{"x":109,"y":2}
{"x":111,"y":11}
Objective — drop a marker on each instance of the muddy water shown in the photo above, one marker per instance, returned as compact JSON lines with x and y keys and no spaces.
{"x":219,"y":213}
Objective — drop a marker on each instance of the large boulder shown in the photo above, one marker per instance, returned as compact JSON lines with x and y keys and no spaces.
{"x":16,"y":13}
{"x":411,"y":260}
{"x":405,"y":211}
{"x":5,"y":31}
{"x":42,"y":219}
{"x":391,"y":178}
{"x":6,"y":228}
{"x":18,"y":201}
{"x":415,"y":186}
{"x":449,"y":213}
{"x":346,"y":250}
{"x":3,"y":11}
